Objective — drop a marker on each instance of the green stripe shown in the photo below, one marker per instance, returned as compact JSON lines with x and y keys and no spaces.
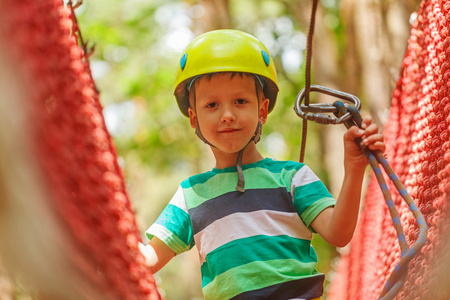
{"x":248,"y":277}
{"x":311,"y":213}
{"x":171,"y":240}
{"x":275,"y":166}
{"x":310,"y":200}
{"x":255,"y":178}
{"x":178,"y":223}
{"x":215,"y":186}
{"x":287,"y":176}
{"x":307,"y":195}
{"x":257,"y":248}
{"x":271,"y":165}
{"x":268,"y":164}
{"x":197,"y":179}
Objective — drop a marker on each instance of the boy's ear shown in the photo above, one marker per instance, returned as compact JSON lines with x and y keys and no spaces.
{"x":192,"y":118}
{"x":264,"y":110}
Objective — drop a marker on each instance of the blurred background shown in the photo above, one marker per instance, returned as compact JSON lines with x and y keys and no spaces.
{"x":358,"y":48}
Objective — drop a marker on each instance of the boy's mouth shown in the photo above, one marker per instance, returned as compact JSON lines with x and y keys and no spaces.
{"x":228,"y":130}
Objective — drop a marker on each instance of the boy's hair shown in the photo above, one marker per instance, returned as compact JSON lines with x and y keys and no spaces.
{"x":209,"y":76}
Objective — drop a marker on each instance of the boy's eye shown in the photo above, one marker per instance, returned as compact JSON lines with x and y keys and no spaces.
{"x":211,"y":105}
{"x":241,"y":101}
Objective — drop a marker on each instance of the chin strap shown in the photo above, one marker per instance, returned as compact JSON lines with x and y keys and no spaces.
{"x":240,"y":187}
{"x":199,"y":134}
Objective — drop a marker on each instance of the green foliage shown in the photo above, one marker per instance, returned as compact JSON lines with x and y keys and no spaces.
{"x":133,"y":65}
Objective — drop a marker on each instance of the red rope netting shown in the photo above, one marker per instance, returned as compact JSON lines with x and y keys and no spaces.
{"x":74,"y":149}
{"x":79,"y":161}
{"x":418,"y":148}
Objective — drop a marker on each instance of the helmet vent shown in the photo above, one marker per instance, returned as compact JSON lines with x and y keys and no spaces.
{"x":183,"y":61}
{"x":266,"y":57}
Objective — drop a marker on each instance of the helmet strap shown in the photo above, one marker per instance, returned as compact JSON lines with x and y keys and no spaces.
{"x":199,"y":134}
{"x":240,"y":187}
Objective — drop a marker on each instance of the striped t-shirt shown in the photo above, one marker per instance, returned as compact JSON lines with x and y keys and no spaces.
{"x":252,"y":245}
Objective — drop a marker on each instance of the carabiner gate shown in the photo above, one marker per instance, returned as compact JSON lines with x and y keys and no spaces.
{"x":317,"y":112}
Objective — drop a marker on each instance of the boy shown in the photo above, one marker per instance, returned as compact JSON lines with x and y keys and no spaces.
{"x":254,"y":237}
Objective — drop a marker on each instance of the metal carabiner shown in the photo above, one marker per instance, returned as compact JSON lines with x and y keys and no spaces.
{"x":317,"y":111}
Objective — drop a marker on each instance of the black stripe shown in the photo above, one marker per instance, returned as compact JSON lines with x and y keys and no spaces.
{"x":305,"y":288}
{"x":277,"y":199}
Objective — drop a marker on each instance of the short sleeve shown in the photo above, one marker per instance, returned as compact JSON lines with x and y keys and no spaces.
{"x":173,"y":225}
{"x":310,"y":195}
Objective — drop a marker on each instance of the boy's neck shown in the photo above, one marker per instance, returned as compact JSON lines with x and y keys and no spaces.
{"x":225,"y":160}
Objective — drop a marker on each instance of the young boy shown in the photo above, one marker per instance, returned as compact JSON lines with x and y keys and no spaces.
{"x":251,"y":218}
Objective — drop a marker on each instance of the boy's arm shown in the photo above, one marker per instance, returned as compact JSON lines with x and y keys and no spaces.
{"x":337,"y":225}
{"x":157,"y":254}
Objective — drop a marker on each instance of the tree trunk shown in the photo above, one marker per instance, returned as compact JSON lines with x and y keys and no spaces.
{"x":216,"y":16}
{"x":6,"y":285}
{"x":381,"y":33}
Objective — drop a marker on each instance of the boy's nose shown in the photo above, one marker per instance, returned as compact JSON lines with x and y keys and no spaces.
{"x":228,"y":115}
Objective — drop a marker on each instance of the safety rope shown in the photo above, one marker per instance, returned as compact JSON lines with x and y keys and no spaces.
{"x":349,"y":116}
{"x":312,"y":23}
{"x":398,"y":277}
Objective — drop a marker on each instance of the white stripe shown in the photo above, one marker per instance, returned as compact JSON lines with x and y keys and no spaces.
{"x":178,"y":200}
{"x":242,"y":225}
{"x":303,"y":177}
{"x":161,"y":232}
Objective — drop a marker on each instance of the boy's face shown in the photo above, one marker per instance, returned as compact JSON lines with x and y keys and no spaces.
{"x":227,"y":110}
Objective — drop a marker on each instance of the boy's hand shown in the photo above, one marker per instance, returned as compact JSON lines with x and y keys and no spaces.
{"x":354,"y":158}
{"x":148,"y":253}
{"x":157,"y":254}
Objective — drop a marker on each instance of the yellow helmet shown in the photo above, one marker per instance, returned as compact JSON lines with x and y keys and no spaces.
{"x":225,"y":50}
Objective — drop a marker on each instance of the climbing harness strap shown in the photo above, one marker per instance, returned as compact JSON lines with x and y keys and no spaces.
{"x":348,"y":114}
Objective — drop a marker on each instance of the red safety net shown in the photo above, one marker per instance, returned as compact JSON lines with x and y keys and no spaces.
{"x":418,"y":148}
{"x":75,"y":152}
